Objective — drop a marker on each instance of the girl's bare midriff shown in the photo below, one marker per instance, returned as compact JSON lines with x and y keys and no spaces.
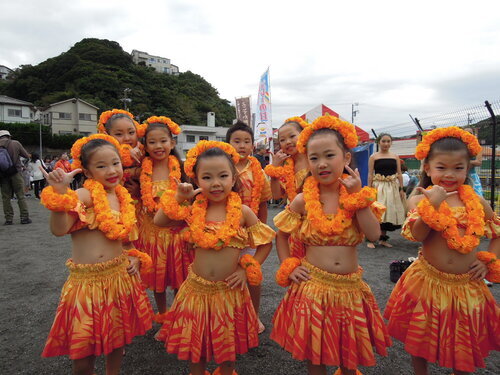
{"x":333,"y":259}
{"x":92,"y":246}
{"x":216,"y":265}
{"x":437,"y":253}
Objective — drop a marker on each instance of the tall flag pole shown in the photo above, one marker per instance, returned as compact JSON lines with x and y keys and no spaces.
{"x":263,"y":131}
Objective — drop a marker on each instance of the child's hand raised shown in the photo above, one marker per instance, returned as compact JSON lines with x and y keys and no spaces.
{"x":185,"y":191}
{"x":436,"y":195}
{"x":353,"y":181}
{"x":59,"y":179}
{"x":279,"y":157}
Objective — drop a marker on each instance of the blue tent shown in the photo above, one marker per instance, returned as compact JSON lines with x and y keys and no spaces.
{"x":361,"y":155}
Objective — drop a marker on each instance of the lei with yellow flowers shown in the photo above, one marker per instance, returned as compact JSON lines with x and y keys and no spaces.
{"x":146,"y":180}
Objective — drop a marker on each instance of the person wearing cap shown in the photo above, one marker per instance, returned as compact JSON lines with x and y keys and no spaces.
{"x":13,"y":184}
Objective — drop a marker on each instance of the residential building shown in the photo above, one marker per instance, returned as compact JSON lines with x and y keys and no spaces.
{"x":161,"y":64}
{"x":192,"y":134}
{"x":4,"y":71}
{"x":15,"y":110}
{"x":71,"y":116}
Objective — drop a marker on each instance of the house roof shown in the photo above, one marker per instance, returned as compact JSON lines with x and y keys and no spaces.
{"x":72,"y":99}
{"x":8,"y":100}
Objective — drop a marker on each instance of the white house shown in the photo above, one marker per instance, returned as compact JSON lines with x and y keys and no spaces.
{"x":192,"y":134}
{"x":15,"y":110}
{"x":161,"y":64}
{"x":71,"y":116}
{"x":4,"y":71}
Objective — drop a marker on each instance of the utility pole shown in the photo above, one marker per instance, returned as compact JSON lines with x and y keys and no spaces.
{"x":354,"y":112}
{"x":125,"y":98}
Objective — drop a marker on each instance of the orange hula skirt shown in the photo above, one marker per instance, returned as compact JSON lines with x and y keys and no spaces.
{"x":208,"y":320}
{"x":443,"y":317}
{"x":331,"y":320}
{"x":169,"y":252}
{"x":101,"y":308}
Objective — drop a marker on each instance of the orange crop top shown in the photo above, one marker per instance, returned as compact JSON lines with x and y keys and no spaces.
{"x":491,"y":226}
{"x":253,"y":236}
{"x":86,"y":218}
{"x":299,"y":226}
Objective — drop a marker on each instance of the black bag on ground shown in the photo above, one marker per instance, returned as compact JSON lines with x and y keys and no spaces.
{"x":397,"y":268}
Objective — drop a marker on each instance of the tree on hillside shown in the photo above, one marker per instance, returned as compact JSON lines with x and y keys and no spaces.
{"x":99,"y":70}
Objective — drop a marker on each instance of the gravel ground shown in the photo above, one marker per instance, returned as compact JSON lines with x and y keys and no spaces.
{"x":33,"y":273}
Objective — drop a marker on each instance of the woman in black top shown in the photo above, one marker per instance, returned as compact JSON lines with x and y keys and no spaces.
{"x":384,"y":174}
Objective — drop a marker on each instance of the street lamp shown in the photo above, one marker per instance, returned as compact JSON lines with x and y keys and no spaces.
{"x":354,"y":112}
{"x":125,"y":99}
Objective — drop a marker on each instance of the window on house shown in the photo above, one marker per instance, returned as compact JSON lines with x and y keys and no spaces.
{"x":221,"y":139}
{"x":166,"y":70}
{"x":190,"y":138}
{"x":152,"y":59}
{"x":65,"y":132}
{"x":85,"y":116}
{"x":203,"y":137}
{"x":15,"y":113}
{"x":64,"y":116}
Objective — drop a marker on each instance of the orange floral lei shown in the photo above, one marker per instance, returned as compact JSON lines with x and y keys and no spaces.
{"x":326,"y":225}
{"x":258,"y":183}
{"x":493,"y":265}
{"x":59,"y":202}
{"x":223,"y":235}
{"x":346,"y":129}
{"x":173,"y":209}
{"x":76,"y":149}
{"x":107,"y":222}
{"x":469,"y":139}
{"x":299,"y":120}
{"x":146,"y":180}
{"x":252,"y":269}
{"x":286,"y":173}
{"x":106,"y":115}
{"x":201,"y":147}
{"x":442,"y":220}
{"x":286,"y":268}
{"x":174,"y":128}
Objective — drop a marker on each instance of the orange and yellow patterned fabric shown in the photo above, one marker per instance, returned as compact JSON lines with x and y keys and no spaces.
{"x":491,"y":227}
{"x":169,"y":252}
{"x":331,"y":319}
{"x":443,"y":317}
{"x":86,"y":218}
{"x":300,"y":176}
{"x":292,"y":222}
{"x":101,"y":308}
{"x":245,"y":191}
{"x":253,"y":236}
{"x":208,"y":320}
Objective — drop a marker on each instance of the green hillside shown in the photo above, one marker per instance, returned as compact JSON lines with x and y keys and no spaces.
{"x":99,"y":70}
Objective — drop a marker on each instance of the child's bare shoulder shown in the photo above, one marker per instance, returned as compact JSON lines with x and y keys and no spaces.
{"x":85,"y":197}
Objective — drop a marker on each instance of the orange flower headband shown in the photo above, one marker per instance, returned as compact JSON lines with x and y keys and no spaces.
{"x":346,"y":129}
{"x":173,"y":127}
{"x":76,"y":149}
{"x":201,"y":147}
{"x":299,"y":120}
{"x":106,"y":115}
{"x":469,"y":139}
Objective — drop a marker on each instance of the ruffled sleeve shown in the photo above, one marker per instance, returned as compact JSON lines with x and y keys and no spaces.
{"x":378,"y":209}
{"x":492,"y":227}
{"x":83,"y":217}
{"x":410,"y":219}
{"x":260,"y":234}
{"x":288,"y":221}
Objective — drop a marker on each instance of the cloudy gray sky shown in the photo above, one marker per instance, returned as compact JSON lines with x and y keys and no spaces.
{"x":394,"y":58}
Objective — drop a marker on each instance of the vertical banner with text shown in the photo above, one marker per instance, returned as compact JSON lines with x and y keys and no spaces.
{"x":263,"y":130}
{"x":243,"y":110}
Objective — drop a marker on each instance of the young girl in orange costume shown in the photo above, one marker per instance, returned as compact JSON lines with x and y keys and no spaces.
{"x":160,"y":171}
{"x":103,"y":304}
{"x":212,"y":316}
{"x":329,"y":315}
{"x":289,"y":169}
{"x":254,"y":189}
{"x":440,"y":308}
{"x":121,"y":125}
